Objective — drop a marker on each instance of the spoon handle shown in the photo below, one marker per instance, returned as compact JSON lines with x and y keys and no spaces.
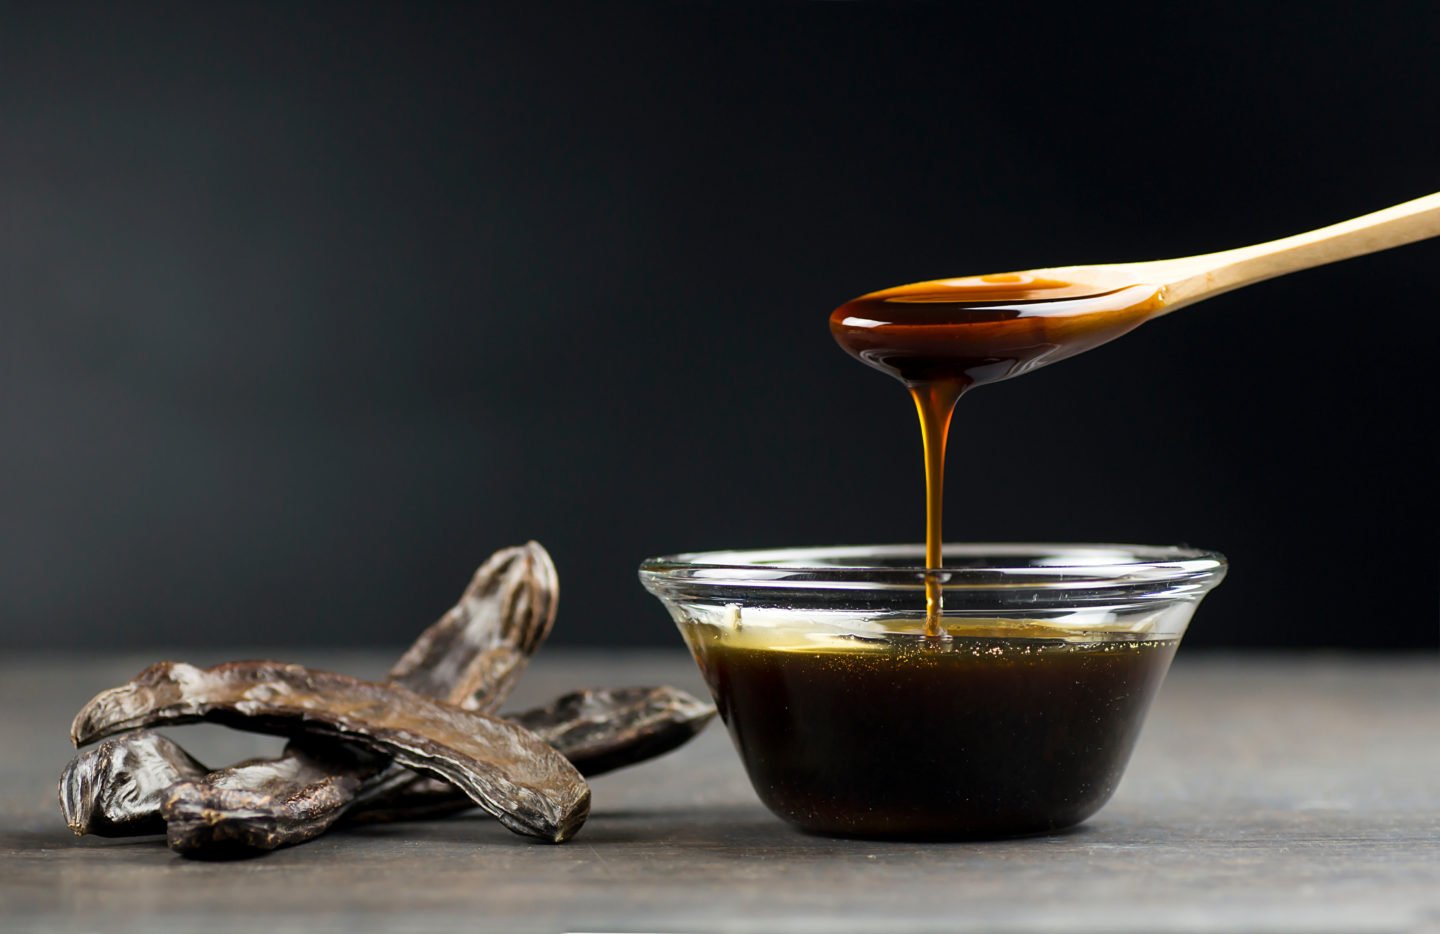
{"x":1200,"y":277}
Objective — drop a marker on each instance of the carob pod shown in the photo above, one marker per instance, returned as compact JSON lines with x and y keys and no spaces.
{"x":118,"y":787}
{"x":266,"y":803}
{"x":115,"y":789}
{"x":603,"y":730}
{"x":479,"y":646}
{"x":507,"y":770}
{"x":597,"y":730}
{"x":472,"y":656}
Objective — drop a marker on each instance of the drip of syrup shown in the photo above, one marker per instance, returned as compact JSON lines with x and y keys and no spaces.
{"x":944,"y":337}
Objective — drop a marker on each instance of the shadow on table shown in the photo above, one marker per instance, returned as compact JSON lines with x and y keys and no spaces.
{"x":35,"y":841}
{"x":722,"y":830}
{"x":730,"y":831}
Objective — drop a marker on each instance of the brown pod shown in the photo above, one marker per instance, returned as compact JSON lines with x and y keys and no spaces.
{"x":597,"y":730}
{"x":603,"y":730}
{"x":267,"y":803}
{"x":262,"y":804}
{"x":507,"y":770}
{"x":472,"y":656}
{"x":115,"y":789}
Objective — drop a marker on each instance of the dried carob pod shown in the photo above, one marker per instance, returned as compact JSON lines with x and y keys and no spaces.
{"x":115,"y":789}
{"x":507,"y":770}
{"x":118,"y":787}
{"x":266,"y":803}
{"x":603,"y":730}
{"x":597,"y":730}
{"x":472,"y":656}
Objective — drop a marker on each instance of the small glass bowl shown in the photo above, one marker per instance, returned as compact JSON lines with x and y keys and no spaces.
{"x":1018,"y":719}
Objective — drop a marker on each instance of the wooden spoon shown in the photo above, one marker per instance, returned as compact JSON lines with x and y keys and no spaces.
{"x":1189,"y":279}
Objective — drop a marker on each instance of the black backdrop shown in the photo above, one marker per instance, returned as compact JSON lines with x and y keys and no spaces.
{"x":309,"y":307}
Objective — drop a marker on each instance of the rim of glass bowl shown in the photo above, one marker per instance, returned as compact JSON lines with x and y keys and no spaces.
{"x":1067,"y":570}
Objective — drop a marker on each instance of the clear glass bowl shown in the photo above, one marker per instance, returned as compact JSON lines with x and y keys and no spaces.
{"x":851,"y":721}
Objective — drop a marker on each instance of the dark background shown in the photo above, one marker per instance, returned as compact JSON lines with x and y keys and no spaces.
{"x":308,"y":308}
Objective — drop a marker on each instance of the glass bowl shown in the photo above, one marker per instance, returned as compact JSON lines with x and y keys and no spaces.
{"x":1018,"y":719}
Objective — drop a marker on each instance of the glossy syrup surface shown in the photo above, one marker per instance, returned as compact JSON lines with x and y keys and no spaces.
{"x":944,"y":337}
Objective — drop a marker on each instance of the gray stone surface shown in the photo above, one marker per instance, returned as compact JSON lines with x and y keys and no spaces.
{"x":1269,"y":793}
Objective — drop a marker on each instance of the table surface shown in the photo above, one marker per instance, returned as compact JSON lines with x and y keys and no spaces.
{"x":1272,"y":792}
